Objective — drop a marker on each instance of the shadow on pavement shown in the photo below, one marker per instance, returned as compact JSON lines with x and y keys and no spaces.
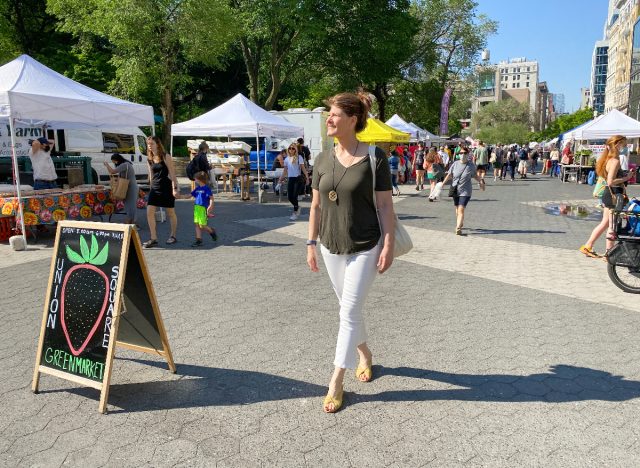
{"x":200,"y":386}
{"x":410,"y":217}
{"x":514,"y":231}
{"x":563,"y":383}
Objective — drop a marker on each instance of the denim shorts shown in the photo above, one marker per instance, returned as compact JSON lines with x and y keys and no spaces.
{"x":461,"y":201}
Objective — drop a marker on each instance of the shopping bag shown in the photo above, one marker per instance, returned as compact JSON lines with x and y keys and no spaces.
{"x":119,"y":187}
{"x":436,"y":190}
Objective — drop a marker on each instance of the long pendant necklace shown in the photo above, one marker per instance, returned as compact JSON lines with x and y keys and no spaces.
{"x":333,"y":194}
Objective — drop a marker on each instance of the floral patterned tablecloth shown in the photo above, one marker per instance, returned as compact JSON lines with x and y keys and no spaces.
{"x":53,"y":207}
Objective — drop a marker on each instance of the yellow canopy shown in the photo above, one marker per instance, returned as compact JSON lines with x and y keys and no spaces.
{"x":377,"y":131}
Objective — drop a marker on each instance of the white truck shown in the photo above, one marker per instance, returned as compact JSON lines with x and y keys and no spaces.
{"x":97,"y":143}
{"x":314,"y":122}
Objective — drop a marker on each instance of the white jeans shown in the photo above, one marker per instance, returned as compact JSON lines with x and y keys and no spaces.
{"x":352,"y":277}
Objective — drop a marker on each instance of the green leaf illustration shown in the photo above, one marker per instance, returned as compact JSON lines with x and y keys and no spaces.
{"x":101,"y":259}
{"x":94,"y":247}
{"x":73,"y":256}
{"x":84,"y":249}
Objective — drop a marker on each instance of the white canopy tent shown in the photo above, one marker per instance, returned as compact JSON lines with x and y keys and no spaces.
{"x":238,"y":117}
{"x":399,"y":123}
{"x":431,"y":138}
{"x":612,"y":123}
{"x":31,"y":92}
{"x":575,"y":132}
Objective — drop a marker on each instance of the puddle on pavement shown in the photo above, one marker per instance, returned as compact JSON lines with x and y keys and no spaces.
{"x":588,"y":213}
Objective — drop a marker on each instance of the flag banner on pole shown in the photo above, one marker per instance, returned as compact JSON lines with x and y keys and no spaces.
{"x":444,"y":112}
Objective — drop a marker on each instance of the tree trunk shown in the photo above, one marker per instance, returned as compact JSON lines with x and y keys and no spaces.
{"x":252,"y":64}
{"x":380,"y":92}
{"x":276,"y":84}
{"x":167,"y":115}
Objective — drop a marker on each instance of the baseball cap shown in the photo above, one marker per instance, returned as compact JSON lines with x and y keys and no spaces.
{"x":43,"y":140}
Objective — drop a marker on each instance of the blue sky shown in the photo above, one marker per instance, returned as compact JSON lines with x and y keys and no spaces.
{"x":559,"y":34}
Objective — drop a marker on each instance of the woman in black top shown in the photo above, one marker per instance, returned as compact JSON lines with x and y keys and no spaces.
{"x":355,"y":244}
{"x":164,"y":189}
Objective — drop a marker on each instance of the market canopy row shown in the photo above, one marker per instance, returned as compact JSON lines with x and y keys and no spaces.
{"x":31,"y":91}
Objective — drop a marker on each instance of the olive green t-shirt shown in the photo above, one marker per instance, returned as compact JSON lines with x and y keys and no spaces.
{"x":350,"y":224}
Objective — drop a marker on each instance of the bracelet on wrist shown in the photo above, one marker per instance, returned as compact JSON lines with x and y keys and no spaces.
{"x":312,"y":242}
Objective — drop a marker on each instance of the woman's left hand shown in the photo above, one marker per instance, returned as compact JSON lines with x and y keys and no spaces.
{"x":176,"y":193}
{"x":385,"y":260}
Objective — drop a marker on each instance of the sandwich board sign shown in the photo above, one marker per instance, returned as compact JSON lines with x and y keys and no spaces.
{"x":99,"y":296}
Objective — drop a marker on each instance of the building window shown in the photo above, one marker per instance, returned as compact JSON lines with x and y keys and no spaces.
{"x":518,"y":76}
{"x":513,"y":85}
{"x":527,"y":77}
{"x":527,"y":84}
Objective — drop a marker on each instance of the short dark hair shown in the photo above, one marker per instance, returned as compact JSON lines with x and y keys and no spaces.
{"x":203,"y":145}
{"x":301,"y":140}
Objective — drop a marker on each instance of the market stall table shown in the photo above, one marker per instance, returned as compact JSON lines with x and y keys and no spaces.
{"x":51,"y":206}
{"x":568,"y":171}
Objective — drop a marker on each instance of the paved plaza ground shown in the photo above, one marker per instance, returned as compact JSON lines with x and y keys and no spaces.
{"x":506,"y":347}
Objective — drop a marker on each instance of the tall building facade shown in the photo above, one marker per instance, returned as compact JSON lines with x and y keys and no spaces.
{"x":599,"y":65}
{"x":558,"y":102}
{"x":585,"y":98}
{"x":618,"y":33}
{"x":634,"y":78}
{"x":517,"y":79}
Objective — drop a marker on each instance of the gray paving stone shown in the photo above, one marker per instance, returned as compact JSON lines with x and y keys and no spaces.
{"x":473,"y":372}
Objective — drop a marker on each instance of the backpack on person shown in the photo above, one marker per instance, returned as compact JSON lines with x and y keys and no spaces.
{"x":197,"y":164}
{"x":419,"y":162}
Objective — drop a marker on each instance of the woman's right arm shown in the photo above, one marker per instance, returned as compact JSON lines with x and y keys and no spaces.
{"x":314,"y":227}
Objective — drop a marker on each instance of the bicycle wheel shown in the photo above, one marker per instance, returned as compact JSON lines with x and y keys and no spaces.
{"x":626,"y":278}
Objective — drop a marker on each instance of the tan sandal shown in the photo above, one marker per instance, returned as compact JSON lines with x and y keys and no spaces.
{"x":335,"y":400}
{"x":367,"y":371}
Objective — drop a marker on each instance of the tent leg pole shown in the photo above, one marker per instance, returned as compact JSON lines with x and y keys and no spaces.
{"x":258,"y":162}
{"x":16,"y":175}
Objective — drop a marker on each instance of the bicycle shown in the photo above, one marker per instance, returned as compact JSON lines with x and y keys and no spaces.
{"x":623,"y":259}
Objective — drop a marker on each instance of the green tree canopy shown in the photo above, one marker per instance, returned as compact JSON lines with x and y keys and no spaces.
{"x":506,"y":121}
{"x":564,"y":123}
{"x":153,"y":41}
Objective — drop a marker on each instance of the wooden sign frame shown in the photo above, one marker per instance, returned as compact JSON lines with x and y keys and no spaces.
{"x":130,"y":240}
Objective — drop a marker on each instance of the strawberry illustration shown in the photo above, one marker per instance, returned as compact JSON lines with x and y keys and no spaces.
{"x":85,"y":292}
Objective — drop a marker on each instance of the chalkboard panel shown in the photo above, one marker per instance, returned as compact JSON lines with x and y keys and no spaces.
{"x":96,"y":270}
{"x":81,"y":301}
{"x":138,"y":323}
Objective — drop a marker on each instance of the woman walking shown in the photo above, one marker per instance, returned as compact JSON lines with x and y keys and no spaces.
{"x":608,"y":166}
{"x":431,"y":162}
{"x":293,"y":168}
{"x":418,"y":165}
{"x":164,"y":189}
{"x":461,"y":172}
{"x":355,"y":243}
{"x":125,"y":170}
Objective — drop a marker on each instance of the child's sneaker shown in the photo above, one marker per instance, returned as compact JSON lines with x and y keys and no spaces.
{"x":214,"y":235}
{"x":197,"y":243}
